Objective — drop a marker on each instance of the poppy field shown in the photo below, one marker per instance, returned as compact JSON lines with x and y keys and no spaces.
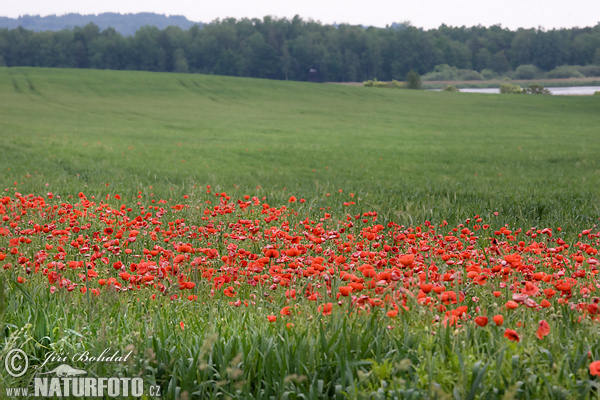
{"x":257,"y":239}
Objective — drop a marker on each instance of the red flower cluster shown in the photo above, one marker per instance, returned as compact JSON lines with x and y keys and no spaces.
{"x":223,"y":244}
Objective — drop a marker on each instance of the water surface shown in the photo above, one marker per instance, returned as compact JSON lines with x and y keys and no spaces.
{"x":572,"y":90}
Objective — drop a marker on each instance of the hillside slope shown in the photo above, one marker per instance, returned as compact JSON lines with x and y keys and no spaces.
{"x":413,"y":154}
{"x":125,"y":24}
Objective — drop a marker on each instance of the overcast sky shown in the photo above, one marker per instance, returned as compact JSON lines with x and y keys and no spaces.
{"x":421,"y":13}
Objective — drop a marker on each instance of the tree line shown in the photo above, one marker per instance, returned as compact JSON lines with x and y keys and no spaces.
{"x":287,"y":48}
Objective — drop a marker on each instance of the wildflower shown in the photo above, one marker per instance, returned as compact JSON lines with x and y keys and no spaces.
{"x":545,"y":303}
{"x":426,"y":287}
{"x":498,"y":320}
{"x":595,"y":368}
{"x":511,"y":335}
{"x":543,"y":329}
{"x":511,"y":305}
{"x":345,"y":290}
{"x":325,"y":309}
{"x":407,"y":259}
{"x":285,"y":311}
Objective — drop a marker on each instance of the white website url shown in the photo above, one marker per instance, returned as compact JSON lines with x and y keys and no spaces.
{"x":84,"y":387}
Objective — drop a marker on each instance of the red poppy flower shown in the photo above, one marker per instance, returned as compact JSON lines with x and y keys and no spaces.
{"x":511,"y":335}
{"x":285,"y":311}
{"x":426,"y":287}
{"x":545,"y":303}
{"x":345,"y":290}
{"x":511,"y":305}
{"x":325,"y":308}
{"x":407,"y":259}
{"x":595,"y":368}
{"x":481,"y":320}
{"x":543,"y":329}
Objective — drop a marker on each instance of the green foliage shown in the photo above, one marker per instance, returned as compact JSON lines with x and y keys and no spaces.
{"x":394,"y":84}
{"x":180,"y":63}
{"x":509,"y":88}
{"x":589,"y":70}
{"x":527,"y":72}
{"x":565,"y":71}
{"x":413,"y":80}
{"x":537,"y":89}
{"x":445,"y":72}
{"x":287,"y":48}
{"x":450,"y":89}
{"x":488,"y":74}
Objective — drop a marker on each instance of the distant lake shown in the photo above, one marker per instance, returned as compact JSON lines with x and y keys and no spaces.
{"x":572,"y":90}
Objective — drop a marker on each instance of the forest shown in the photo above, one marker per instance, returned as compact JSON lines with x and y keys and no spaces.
{"x":286,"y":49}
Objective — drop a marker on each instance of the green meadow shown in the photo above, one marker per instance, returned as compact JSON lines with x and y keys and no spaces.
{"x":411,"y":156}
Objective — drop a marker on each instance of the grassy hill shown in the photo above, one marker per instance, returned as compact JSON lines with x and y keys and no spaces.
{"x":125,"y":24}
{"x":412,"y":155}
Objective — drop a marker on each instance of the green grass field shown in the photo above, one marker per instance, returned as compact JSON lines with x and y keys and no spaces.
{"x":409,"y":156}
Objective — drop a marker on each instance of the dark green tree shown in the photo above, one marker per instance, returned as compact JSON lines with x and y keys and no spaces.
{"x":413,"y":80}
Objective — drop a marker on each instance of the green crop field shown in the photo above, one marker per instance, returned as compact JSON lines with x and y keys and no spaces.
{"x":411,"y":155}
{"x":172,"y":215}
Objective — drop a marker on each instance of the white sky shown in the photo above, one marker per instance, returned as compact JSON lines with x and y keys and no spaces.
{"x":421,"y":13}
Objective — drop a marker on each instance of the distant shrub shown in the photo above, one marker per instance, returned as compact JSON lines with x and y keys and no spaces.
{"x":450,"y":89}
{"x":374,"y":83}
{"x":394,"y":84}
{"x":444,"y":72}
{"x":527,"y":72}
{"x":488,"y":74}
{"x":509,"y":88}
{"x":470,"y":75}
{"x":537,"y":89}
{"x":565,"y":71}
{"x":589,"y":70}
{"x":442,"y":68}
{"x":413,"y":80}
{"x":596,"y":93}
